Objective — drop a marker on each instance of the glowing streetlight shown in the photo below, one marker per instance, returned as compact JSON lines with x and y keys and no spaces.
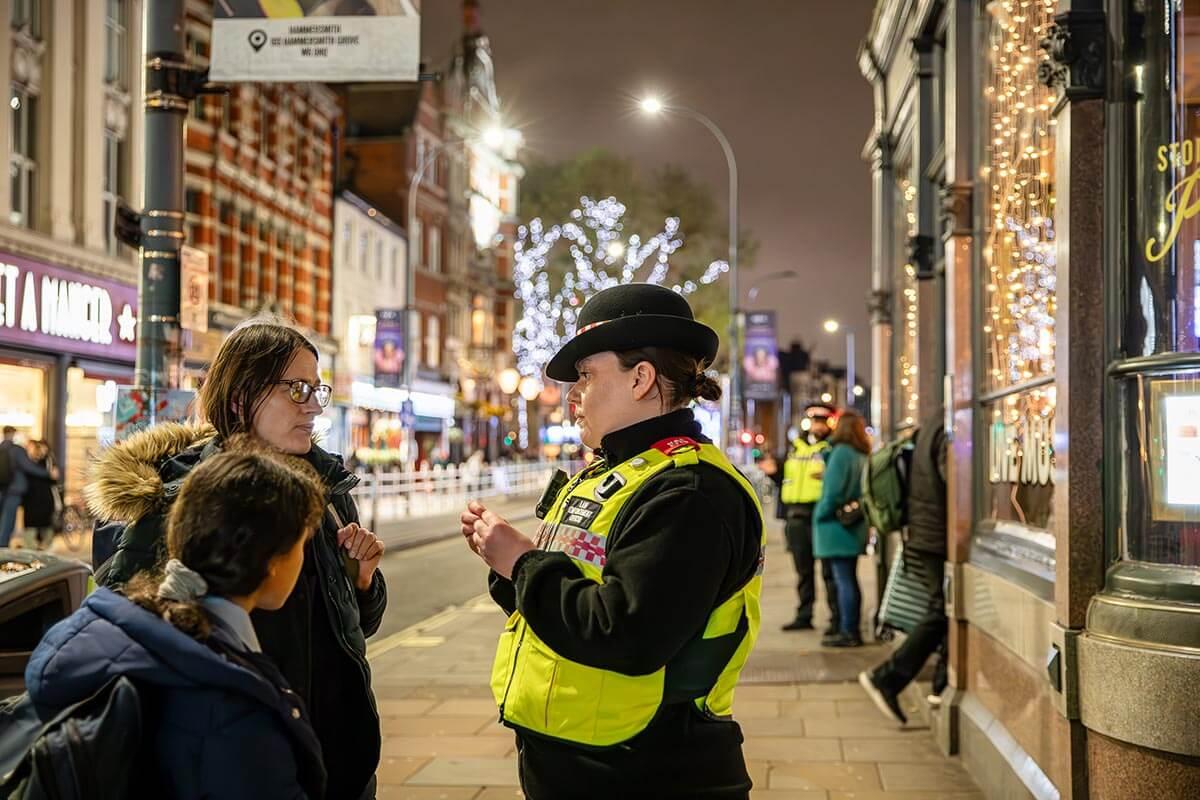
{"x":529,"y":388}
{"x":859,"y":391}
{"x":651,"y":105}
{"x":827,"y":398}
{"x":494,"y":137}
{"x":832,"y":326}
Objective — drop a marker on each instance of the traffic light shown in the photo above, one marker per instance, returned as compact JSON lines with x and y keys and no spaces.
{"x":747,"y":437}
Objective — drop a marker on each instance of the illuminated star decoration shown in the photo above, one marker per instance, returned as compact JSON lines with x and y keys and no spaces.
{"x":603,"y":257}
{"x":128,"y":323}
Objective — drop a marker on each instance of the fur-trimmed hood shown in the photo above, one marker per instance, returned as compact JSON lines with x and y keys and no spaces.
{"x":129,"y":479}
{"x":139,"y":475}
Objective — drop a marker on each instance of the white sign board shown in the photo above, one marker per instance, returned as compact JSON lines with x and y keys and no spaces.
{"x":193,"y":289}
{"x":327,"y":41}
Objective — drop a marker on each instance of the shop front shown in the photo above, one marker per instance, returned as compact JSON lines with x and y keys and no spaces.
{"x":1036,"y":168}
{"x":66,"y":343}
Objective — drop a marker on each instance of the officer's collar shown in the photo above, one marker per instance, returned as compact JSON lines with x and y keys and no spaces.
{"x":628,"y":442}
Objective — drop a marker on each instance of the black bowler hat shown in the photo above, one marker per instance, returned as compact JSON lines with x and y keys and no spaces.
{"x":629,"y":316}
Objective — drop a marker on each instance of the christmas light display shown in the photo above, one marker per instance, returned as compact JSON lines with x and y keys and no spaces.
{"x":1019,"y":173}
{"x":907,"y":361}
{"x":602,"y":255}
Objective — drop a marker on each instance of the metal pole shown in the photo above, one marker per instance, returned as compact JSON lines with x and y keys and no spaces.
{"x":162,"y":200}
{"x":850,"y":369}
{"x":735,"y":358}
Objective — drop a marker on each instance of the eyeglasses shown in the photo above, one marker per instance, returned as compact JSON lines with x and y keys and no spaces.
{"x":300,"y":390}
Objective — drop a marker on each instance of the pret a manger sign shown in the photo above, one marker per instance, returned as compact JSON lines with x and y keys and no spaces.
{"x":53,"y":308}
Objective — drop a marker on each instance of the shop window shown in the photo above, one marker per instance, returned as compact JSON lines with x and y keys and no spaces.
{"x":435,"y":249}
{"x":433,"y":341}
{"x":1018,"y":178}
{"x":1158,"y":516}
{"x":905,"y":327}
{"x":23,"y":399}
{"x":1018,"y":289}
{"x":22,"y":158}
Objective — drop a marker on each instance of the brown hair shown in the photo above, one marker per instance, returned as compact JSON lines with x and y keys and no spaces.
{"x":235,"y":512}
{"x":247,"y":367}
{"x":852,"y":430}
{"x":681,"y":377}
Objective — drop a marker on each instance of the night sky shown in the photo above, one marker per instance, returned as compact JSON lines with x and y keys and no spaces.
{"x":780,"y":77}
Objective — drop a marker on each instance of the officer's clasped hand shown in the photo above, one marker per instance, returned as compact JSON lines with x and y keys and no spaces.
{"x":491,"y":538}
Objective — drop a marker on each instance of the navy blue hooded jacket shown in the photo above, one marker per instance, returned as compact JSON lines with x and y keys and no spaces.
{"x":220,"y":729}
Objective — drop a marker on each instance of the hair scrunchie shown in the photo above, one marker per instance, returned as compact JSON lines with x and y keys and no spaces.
{"x":181,"y":584}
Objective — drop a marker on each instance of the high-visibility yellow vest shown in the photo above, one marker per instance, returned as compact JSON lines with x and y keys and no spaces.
{"x":538,"y":690}
{"x":802,"y":472}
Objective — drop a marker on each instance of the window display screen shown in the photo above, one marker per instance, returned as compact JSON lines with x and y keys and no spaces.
{"x":1181,"y":446}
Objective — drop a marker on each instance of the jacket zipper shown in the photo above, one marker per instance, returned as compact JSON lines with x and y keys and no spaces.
{"x":583,"y":475}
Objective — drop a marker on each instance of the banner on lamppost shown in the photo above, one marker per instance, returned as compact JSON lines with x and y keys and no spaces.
{"x":193,"y":289}
{"x":760,"y":362}
{"x":330,"y":41}
{"x":389,"y":346}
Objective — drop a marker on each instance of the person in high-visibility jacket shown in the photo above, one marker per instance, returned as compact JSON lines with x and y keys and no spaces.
{"x":634,"y":607}
{"x":799,"y":493}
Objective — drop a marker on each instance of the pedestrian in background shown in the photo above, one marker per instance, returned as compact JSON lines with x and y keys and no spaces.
{"x":42,"y":503}
{"x":16,"y":469}
{"x":264,"y":381}
{"x":799,"y":490}
{"x":924,"y":541}
{"x":840,"y":527}
{"x":225,"y":723}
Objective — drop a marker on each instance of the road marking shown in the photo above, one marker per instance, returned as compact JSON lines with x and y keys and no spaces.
{"x":416,"y":635}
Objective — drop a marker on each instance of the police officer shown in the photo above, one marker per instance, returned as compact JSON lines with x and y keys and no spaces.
{"x":635,"y":605}
{"x":799,"y":493}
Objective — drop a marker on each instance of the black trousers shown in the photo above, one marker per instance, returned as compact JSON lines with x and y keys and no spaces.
{"x":798,"y":531}
{"x":927,"y":638}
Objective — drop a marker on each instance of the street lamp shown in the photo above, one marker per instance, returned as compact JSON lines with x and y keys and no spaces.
{"x":509,"y":380}
{"x":774,"y":276}
{"x":833,"y":326}
{"x":653,"y":106}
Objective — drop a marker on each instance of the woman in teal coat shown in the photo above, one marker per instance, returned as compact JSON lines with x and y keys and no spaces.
{"x":839,"y":544}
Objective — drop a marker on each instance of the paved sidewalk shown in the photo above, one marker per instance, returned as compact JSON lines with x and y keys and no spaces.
{"x":811,"y":734}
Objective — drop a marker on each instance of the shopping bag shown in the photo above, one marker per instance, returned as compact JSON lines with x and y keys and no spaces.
{"x":906,"y":598}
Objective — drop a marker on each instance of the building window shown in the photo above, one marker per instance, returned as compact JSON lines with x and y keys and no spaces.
{"x":347,"y":244}
{"x":22,"y":159}
{"x":27,"y":14}
{"x":111,"y":188}
{"x":362,"y":251}
{"x":432,"y":341}
{"x":479,"y":322}
{"x":1018,"y":287}
{"x":116,"y":42}
{"x":435,"y":249}
{"x":379,"y":258}
{"x":395,"y":269}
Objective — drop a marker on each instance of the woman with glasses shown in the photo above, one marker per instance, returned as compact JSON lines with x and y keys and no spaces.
{"x":264,"y":382}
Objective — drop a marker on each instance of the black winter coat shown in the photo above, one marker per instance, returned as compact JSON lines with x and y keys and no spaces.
{"x":319,"y":637}
{"x":927,"y":490}
{"x":38,"y":502}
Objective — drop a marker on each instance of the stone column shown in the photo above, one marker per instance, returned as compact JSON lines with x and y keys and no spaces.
{"x":880,"y":301}
{"x":60,"y":125}
{"x":5,"y":133}
{"x":89,"y":162}
{"x":1076,"y":67}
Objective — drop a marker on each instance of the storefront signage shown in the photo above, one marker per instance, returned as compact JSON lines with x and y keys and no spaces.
{"x":1183,"y":201}
{"x":193,"y":289}
{"x":52,"y":308}
{"x":1023,"y":453}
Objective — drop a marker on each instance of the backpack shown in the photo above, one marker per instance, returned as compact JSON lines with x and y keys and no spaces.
{"x":90,"y":750}
{"x":6,"y":467}
{"x":885,"y":485}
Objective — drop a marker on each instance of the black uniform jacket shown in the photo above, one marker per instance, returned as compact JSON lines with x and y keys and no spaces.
{"x":688,"y":540}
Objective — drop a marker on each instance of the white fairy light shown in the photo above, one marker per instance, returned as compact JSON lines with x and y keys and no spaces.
{"x":602,"y":255}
